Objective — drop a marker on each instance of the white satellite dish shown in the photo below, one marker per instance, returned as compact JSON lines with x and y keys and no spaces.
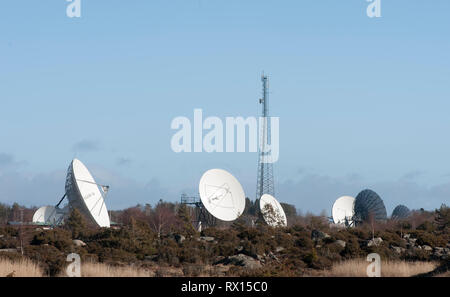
{"x":48,"y":215}
{"x":222,"y":194}
{"x":277,"y":218}
{"x":85,"y":195}
{"x":343,"y":210}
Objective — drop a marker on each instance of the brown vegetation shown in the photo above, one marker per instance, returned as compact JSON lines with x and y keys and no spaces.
{"x":357,"y":268}
{"x":162,"y":241}
{"x":19,"y":268}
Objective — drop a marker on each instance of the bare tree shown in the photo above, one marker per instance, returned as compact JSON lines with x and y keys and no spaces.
{"x":162,"y":217}
{"x":132,"y":213}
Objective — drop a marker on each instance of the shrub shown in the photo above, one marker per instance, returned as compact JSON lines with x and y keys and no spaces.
{"x":75,"y":223}
{"x":352,"y":249}
{"x":303,"y":240}
{"x":443,"y":217}
{"x":60,"y":239}
{"x":429,"y":238}
{"x":427,"y":226}
{"x":50,"y":258}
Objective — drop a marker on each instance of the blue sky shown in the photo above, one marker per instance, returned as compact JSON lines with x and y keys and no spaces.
{"x":363,"y":103}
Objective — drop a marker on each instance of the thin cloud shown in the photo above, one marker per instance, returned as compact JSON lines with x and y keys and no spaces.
{"x":123,"y":161}
{"x":309,"y":193}
{"x":86,"y":146}
{"x":32,"y":189}
{"x":6,"y":159}
{"x":412,"y":175}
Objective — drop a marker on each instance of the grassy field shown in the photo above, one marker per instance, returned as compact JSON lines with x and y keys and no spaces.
{"x":19,"y":268}
{"x":357,"y":268}
{"x":104,"y":270}
{"x":350,"y":268}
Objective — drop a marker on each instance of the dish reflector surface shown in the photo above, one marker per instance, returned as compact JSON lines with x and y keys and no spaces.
{"x":84,"y":194}
{"x":343,"y":210}
{"x":400,"y":212}
{"x":278,"y":217}
{"x":368,"y":204}
{"x":47,"y":215}
{"x":222,"y":194}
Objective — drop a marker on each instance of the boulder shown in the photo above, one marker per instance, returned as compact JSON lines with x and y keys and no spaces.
{"x":340,"y":243}
{"x":438,"y":252}
{"x":427,"y":248}
{"x":8,"y":250}
{"x":272,"y":256}
{"x":398,"y":249}
{"x":319,"y":235}
{"x":279,"y":249}
{"x":375,"y":242}
{"x":410,"y":245}
{"x":207,"y":238}
{"x":446,"y":254}
{"x":151,"y":258}
{"x":78,"y":242}
{"x":179,"y":238}
{"x":241,"y":260}
{"x":412,"y":241}
{"x":441,"y":253}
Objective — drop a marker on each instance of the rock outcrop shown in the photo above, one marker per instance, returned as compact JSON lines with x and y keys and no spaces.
{"x":78,"y":243}
{"x":375,"y":242}
{"x":241,"y":260}
{"x":317,"y":235}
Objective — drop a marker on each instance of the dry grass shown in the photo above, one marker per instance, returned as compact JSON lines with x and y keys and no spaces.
{"x":350,"y":268}
{"x":20,"y":268}
{"x":358,"y":267}
{"x":104,"y":270}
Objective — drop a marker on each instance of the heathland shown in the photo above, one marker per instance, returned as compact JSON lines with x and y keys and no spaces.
{"x":161,"y":240}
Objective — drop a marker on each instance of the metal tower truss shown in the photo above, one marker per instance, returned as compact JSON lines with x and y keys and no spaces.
{"x":200,"y":213}
{"x":265,"y":181}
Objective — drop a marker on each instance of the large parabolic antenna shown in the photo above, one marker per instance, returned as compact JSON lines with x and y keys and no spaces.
{"x":400,"y":212}
{"x":272,"y":211}
{"x":85,"y":194}
{"x":343,"y":210}
{"x":48,"y":215}
{"x":222,"y":194}
{"x":369,"y":205}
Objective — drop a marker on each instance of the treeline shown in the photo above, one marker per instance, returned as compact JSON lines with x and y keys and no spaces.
{"x":15,"y":213}
{"x":162,"y":215}
{"x":162,"y":218}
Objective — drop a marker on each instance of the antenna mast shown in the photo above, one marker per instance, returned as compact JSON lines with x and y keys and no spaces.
{"x":265,"y":184}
